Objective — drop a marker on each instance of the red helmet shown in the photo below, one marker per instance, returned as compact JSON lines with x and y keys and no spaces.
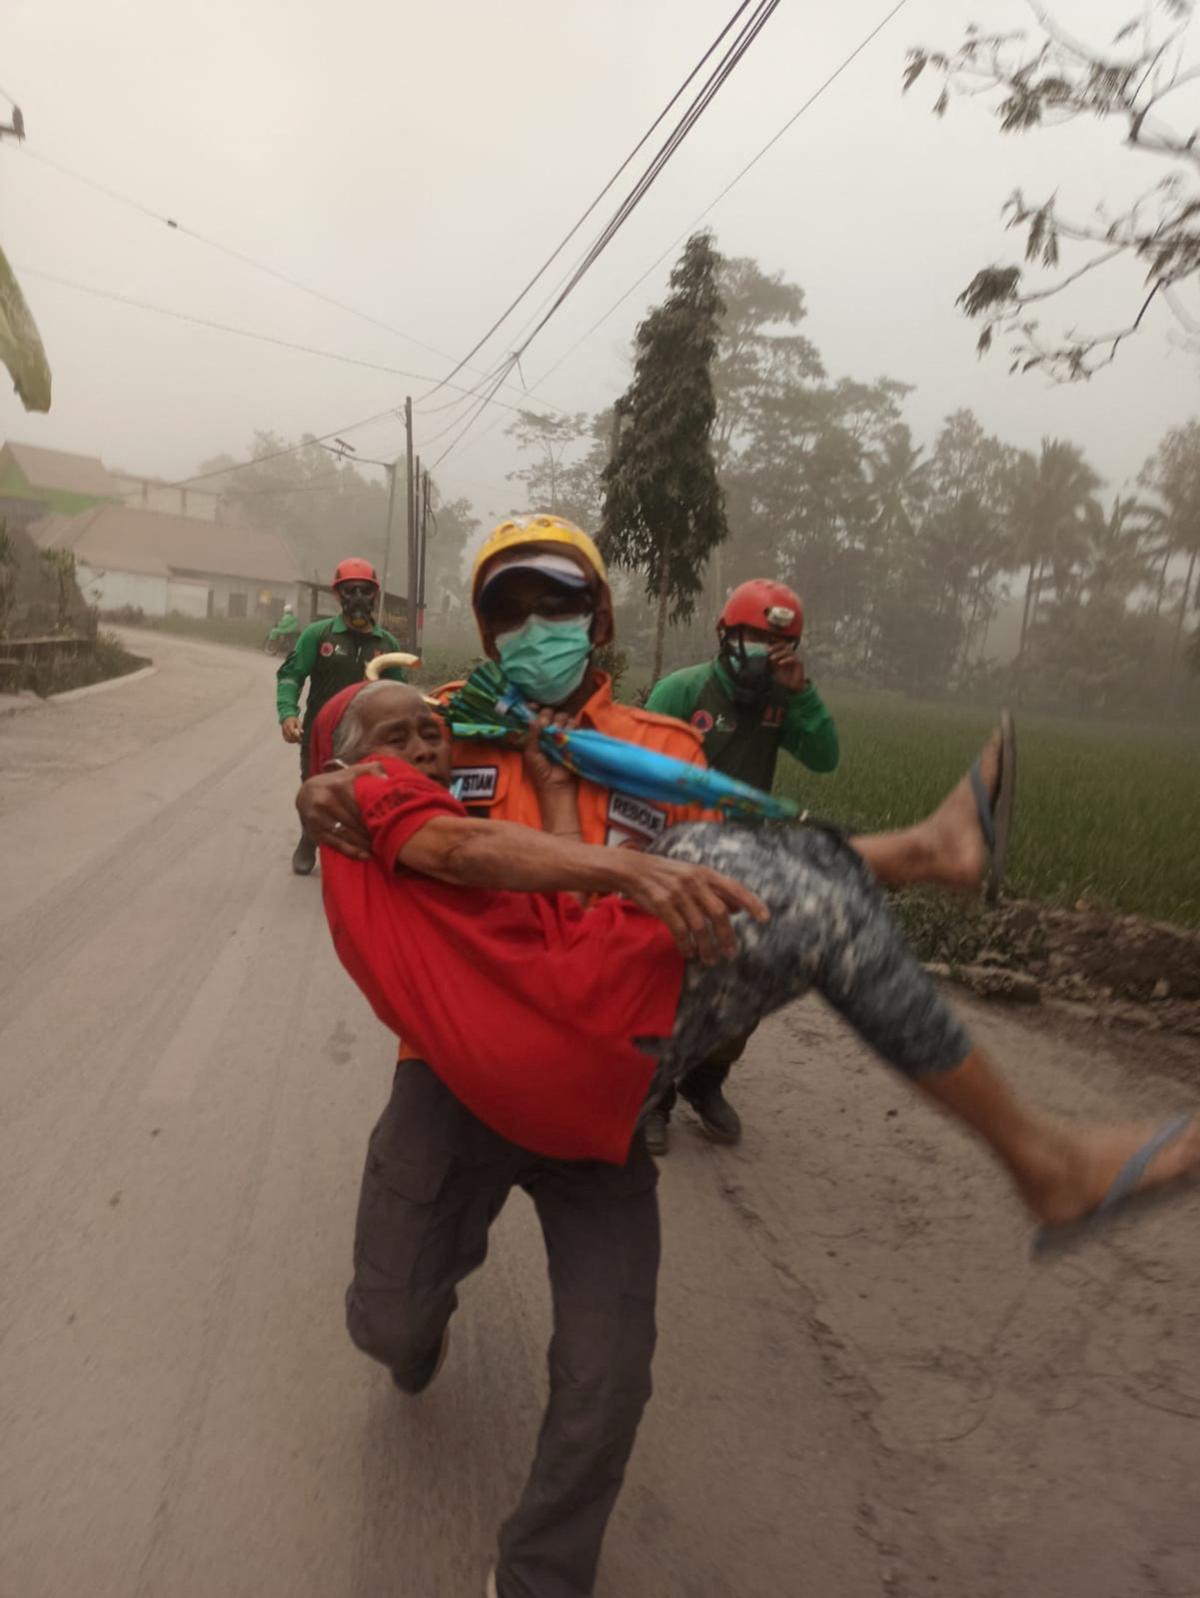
{"x":770,"y":606}
{"x":355,"y":571}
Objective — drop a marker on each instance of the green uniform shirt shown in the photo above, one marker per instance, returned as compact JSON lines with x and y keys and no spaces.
{"x":330,"y":656}
{"x":744,"y":740}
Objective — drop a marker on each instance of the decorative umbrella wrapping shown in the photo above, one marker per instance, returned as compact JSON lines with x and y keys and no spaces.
{"x":488,"y":707}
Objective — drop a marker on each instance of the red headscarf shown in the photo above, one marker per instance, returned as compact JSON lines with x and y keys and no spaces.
{"x":330,"y":714}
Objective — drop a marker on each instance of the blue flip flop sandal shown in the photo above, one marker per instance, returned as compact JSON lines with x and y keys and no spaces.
{"x":1122,"y":1197}
{"x":996,"y":810}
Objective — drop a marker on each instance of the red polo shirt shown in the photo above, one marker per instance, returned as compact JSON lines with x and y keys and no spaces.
{"x":526,"y":1005}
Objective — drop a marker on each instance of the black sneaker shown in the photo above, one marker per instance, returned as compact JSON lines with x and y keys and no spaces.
{"x":718,"y":1117}
{"x":304,"y":856}
{"x":410,"y":1386}
{"x":655,"y":1129}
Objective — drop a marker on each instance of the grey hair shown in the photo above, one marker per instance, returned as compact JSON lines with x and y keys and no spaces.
{"x":348,"y":736}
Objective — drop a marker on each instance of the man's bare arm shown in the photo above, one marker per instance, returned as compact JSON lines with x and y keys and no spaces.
{"x":694,"y":902}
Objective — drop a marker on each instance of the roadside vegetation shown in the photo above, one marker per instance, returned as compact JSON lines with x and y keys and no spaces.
{"x":1106,"y":811}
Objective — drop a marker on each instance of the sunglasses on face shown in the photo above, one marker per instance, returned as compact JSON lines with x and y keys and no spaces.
{"x":509,"y":610}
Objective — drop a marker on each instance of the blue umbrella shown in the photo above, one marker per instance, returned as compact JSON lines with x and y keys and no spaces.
{"x":487,"y":706}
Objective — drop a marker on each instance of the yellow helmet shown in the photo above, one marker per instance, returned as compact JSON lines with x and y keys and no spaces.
{"x":543,"y":528}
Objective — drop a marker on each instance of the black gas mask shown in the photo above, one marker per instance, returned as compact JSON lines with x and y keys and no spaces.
{"x":358,"y":604}
{"x":748,"y":664}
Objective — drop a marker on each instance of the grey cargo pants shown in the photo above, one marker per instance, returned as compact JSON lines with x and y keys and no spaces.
{"x":435,"y":1179}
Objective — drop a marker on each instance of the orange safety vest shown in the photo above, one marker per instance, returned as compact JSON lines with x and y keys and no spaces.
{"x":494,"y":783}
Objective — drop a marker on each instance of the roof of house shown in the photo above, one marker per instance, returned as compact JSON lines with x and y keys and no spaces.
{"x":156,"y":544}
{"x":70,"y":474}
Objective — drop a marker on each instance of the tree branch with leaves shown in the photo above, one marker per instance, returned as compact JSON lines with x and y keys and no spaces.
{"x":1044,"y":81}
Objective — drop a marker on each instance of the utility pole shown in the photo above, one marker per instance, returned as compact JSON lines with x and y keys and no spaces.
{"x":387,"y":537}
{"x":347,"y":452}
{"x":614,"y":440}
{"x":415,"y":565}
{"x":423,"y":544}
{"x":411,"y":522}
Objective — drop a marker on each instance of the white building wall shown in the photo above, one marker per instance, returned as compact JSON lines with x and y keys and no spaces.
{"x":199,"y":595}
{"x":262,"y":599}
{"x":113,"y":590}
{"x":185,"y":598}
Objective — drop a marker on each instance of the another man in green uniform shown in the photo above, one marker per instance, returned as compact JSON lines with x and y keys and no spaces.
{"x":331,"y":655}
{"x":747,"y":704}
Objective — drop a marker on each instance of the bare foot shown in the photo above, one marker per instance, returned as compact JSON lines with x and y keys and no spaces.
{"x":952,"y":837}
{"x":1071,"y":1170}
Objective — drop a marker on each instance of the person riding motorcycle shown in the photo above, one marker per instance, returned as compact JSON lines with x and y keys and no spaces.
{"x":283,"y":635}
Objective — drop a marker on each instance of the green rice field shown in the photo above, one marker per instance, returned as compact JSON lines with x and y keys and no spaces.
{"x":1105,"y":812}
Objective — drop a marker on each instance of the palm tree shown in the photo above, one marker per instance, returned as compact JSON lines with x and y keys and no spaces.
{"x":897,"y":495}
{"x":1115,"y":559}
{"x":1173,"y":471}
{"x":1051,"y":492}
{"x":899,"y":484}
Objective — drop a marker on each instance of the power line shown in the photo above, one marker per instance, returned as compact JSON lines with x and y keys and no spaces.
{"x":220,"y":327}
{"x":476,"y":412}
{"x":734,"y":53}
{"x":278,"y":454}
{"x":315,"y":485}
{"x":237,"y":255}
{"x":696,"y":108}
{"x":562,"y":244}
{"x":243,"y":332}
{"x":754,"y":160}
{"x":227,"y":250}
{"x":319,"y":485}
{"x":427,"y":443}
{"x":698,"y":105}
{"x":691,"y":117}
{"x":492,"y":384}
{"x":810,"y":101}
{"x":494,"y":378}
{"x":546,"y":302}
{"x":292,"y":449}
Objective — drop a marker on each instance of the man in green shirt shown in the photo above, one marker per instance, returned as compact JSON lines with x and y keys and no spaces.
{"x":331,"y":655}
{"x":747,"y":704}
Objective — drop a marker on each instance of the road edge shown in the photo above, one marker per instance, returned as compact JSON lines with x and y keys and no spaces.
{"x":101,"y":687}
{"x":35,"y":702}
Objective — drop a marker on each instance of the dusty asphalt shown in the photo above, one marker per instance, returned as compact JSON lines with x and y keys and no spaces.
{"x":863,"y":1388}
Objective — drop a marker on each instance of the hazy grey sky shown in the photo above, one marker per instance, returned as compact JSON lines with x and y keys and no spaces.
{"x":420,"y":161}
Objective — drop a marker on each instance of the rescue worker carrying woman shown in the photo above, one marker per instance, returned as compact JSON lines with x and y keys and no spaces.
{"x":542,"y":601}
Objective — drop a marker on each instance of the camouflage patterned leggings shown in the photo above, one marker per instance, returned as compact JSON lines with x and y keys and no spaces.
{"x":830,"y":929}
